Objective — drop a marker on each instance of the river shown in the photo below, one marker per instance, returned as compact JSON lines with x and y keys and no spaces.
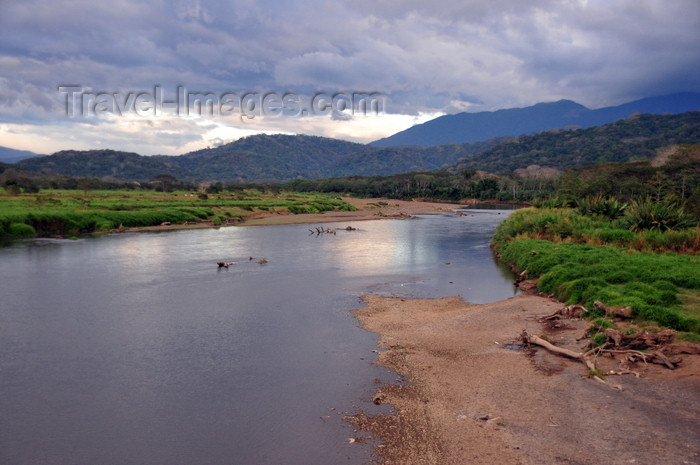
{"x":135,"y":348}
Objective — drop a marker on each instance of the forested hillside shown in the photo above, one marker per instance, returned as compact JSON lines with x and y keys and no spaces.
{"x":635,"y":138}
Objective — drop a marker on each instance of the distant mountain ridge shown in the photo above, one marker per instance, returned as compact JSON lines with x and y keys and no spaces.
{"x":259,"y":158}
{"x":8,"y":155}
{"x":473,"y":127}
{"x":273,"y":158}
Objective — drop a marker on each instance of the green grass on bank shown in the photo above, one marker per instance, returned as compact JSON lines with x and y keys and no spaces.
{"x":67,"y":212}
{"x":567,"y":225}
{"x":581,"y":259}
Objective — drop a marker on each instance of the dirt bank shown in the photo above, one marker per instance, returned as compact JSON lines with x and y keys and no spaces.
{"x":472,"y":400}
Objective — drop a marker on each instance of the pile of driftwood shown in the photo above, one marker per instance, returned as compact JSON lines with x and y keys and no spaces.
{"x":640,"y":346}
{"x":323,"y":231}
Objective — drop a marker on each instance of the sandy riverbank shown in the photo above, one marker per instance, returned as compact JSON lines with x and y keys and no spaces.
{"x":471,"y":400}
{"x":367,"y":209}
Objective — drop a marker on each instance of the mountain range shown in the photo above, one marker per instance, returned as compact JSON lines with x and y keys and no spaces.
{"x":471,"y":127}
{"x":271,"y":158}
{"x":259,"y":158}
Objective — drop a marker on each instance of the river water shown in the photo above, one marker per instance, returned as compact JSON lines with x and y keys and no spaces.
{"x":131,"y":349}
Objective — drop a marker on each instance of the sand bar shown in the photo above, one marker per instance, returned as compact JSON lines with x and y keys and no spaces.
{"x":470,"y":399}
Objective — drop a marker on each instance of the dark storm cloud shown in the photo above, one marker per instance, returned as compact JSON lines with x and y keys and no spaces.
{"x":451,"y":46}
{"x":424,"y":56}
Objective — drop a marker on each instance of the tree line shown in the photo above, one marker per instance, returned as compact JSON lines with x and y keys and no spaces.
{"x":673,"y":177}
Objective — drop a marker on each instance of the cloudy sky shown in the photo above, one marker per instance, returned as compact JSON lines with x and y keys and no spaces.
{"x":423,"y":58}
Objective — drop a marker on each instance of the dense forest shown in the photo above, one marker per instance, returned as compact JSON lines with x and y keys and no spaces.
{"x":434,"y":185}
{"x":677,"y":173}
{"x":634,"y":138}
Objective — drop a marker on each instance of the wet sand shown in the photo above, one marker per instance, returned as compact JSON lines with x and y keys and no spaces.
{"x":469,"y":399}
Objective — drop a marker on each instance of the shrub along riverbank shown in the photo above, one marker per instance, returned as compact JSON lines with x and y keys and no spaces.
{"x":72,"y":212}
{"x":581,"y":258}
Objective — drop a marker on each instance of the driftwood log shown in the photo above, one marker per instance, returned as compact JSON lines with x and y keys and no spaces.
{"x":521,"y":276}
{"x":628,"y":345}
{"x":656,"y":357}
{"x":633,"y":344}
{"x":581,"y":356}
{"x":638,"y":340}
{"x":574,"y":312}
{"x":323,"y":231}
{"x":225,"y":265}
{"x":612,"y":312}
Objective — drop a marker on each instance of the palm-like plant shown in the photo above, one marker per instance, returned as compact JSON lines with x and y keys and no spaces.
{"x":661,"y":216}
{"x":599,"y":205}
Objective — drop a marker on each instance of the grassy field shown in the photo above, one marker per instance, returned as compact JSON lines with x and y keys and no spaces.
{"x":581,"y":259}
{"x":72,"y":212}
